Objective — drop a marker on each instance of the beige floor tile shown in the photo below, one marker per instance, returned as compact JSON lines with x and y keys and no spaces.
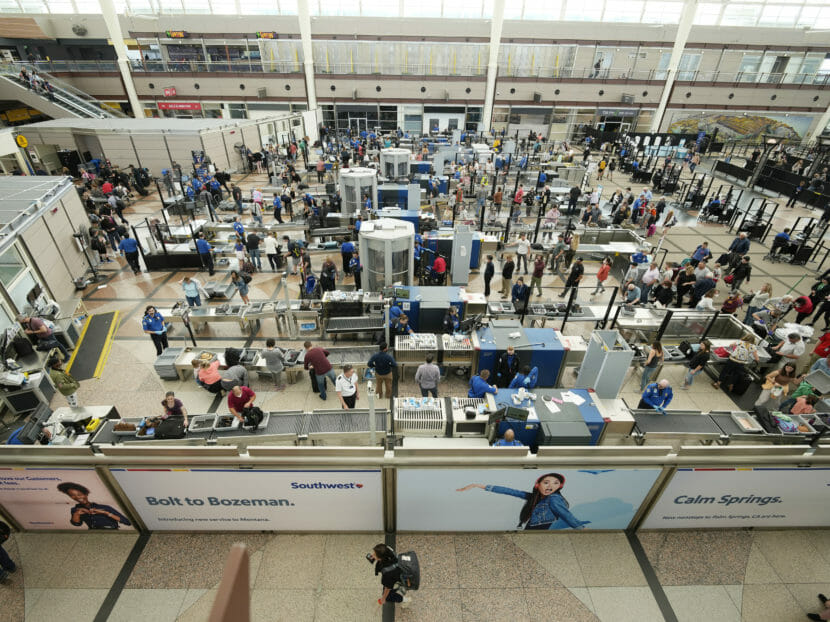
{"x":606,"y":559}
{"x":758,"y":569}
{"x":105,"y":552}
{"x":60,"y":605}
{"x":806,"y":595}
{"x":793,"y":555}
{"x":436,"y":555}
{"x":480,"y":605}
{"x":553,"y":604}
{"x":138,"y":605}
{"x":736,"y":594}
{"x":198,"y":610}
{"x":291,"y":562}
{"x":31,"y":596}
{"x":348,"y":605}
{"x":43,"y":557}
{"x":770,"y":603}
{"x":584,"y":596}
{"x":692,"y":603}
{"x":554,"y":553}
{"x":625,"y":604}
{"x":431,"y":605}
{"x":283,"y":605}
{"x":344,"y":561}
{"x":489,"y":560}
{"x":191,"y":597}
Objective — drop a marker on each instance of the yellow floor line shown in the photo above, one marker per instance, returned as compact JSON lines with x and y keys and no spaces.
{"x":78,"y":344}
{"x":105,"y":351}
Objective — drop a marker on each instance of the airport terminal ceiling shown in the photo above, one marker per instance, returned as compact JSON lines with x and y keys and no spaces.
{"x":773,"y":13}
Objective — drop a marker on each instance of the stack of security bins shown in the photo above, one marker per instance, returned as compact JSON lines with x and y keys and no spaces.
{"x":166,"y":363}
{"x":566,"y":427}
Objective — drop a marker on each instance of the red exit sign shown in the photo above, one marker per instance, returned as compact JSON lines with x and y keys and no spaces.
{"x":170,"y":91}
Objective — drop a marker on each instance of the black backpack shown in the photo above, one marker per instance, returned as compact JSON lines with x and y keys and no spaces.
{"x":172,"y":427}
{"x":410,"y":570}
{"x":252,"y":417}
{"x":245,"y":276}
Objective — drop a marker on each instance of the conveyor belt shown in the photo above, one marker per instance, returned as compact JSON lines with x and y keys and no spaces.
{"x":338,"y":325}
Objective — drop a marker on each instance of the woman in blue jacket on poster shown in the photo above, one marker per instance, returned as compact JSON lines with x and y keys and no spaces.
{"x":544,"y":508}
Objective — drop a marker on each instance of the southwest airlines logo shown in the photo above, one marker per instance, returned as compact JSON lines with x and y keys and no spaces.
{"x":324,"y":485}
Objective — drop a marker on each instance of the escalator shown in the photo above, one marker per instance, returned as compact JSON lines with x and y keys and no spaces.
{"x":63,"y":100}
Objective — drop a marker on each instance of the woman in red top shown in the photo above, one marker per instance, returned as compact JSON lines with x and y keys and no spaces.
{"x":602,"y":276}
{"x":804,"y":307}
{"x":822,"y":349}
{"x":732,"y":303}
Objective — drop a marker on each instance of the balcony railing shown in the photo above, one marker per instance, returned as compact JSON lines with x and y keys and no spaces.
{"x":819,"y":79}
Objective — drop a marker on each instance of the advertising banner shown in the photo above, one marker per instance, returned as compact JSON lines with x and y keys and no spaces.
{"x":508,"y":499}
{"x":236,"y":500}
{"x":60,"y":499}
{"x":701,"y":498}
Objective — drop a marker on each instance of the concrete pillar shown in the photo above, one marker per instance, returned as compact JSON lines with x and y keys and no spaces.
{"x":687,"y":16}
{"x":492,"y":64}
{"x":823,"y":122}
{"x":304,"y":17}
{"x":117,"y":38}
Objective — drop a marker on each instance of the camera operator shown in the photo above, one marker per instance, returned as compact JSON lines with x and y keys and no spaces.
{"x":386,"y":565}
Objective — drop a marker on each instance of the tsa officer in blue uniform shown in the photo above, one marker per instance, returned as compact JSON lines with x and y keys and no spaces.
{"x":153,"y":325}
{"x":657,"y":395}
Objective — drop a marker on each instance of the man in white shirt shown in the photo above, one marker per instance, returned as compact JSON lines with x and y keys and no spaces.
{"x":650,"y":277}
{"x":270,"y":244}
{"x":346,"y":387}
{"x":522,"y":251}
{"x":792,"y":348}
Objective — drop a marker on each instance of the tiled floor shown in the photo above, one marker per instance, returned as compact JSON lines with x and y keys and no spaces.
{"x":719,"y":575}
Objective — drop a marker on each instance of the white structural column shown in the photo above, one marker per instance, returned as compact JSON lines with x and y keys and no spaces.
{"x":823,"y":122}
{"x":492,"y":63}
{"x":687,"y":17}
{"x":117,"y":38}
{"x":304,"y":16}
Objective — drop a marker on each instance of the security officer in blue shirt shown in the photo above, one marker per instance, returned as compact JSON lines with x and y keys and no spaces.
{"x":639,"y":257}
{"x":479,"y":386}
{"x":346,"y":250}
{"x":657,"y":396}
{"x":509,"y":440}
{"x":240,"y":230}
{"x":153,"y":325}
{"x":367,"y":203}
{"x":452,"y":323}
{"x":129,"y":248}
{"x":355,"y":268}
{"x":205,"y":253}
{"x":277,"y":208}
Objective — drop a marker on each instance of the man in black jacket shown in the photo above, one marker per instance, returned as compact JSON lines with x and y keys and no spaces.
{"x":489,"y":272}
{"x":741,"y":273}
{"x":574,"y":197}
{"x":507,"y":367}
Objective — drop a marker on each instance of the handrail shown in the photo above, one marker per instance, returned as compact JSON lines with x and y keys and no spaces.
{"x":66,"y":93}
{"x":817,"y":79}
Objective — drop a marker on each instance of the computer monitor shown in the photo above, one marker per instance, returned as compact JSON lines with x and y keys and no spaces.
{"x":496,"y":416}
{"x":402,"y":292}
